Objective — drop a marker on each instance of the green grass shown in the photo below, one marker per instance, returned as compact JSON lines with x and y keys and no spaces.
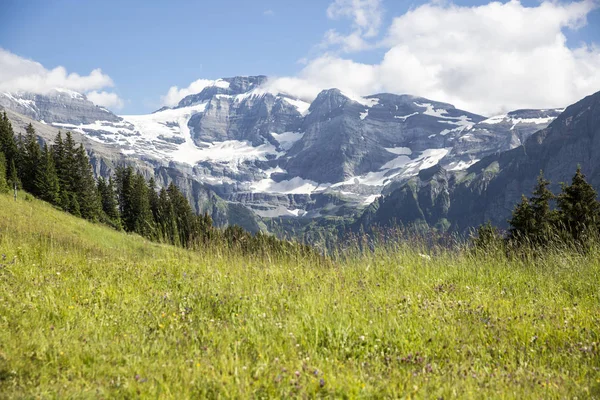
{"x":88,"y":312}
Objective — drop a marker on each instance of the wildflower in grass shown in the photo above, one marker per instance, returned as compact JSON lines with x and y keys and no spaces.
{"x":321,"y":382}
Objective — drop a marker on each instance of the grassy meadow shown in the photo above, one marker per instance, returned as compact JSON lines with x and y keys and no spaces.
{"x":89,"y":312}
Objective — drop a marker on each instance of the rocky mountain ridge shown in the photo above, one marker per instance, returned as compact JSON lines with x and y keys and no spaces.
{"x":489,"y":189}
{"x":282,"y":157}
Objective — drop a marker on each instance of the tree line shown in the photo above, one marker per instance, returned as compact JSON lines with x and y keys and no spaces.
{"x":61,"y":174}
{"x":572,"y":217}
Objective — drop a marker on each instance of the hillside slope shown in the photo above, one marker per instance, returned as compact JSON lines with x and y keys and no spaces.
{"x":86,"y":311}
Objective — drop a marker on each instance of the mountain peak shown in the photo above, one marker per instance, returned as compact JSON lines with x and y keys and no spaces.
{"x":228,"y":86}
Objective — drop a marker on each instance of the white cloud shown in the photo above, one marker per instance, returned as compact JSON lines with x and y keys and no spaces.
{"x":486,"y":58}
{"x":175,"y":94}
{"x":366,"y":16}
{"x":105,"y":99}
{"x":269,"y":13}
{"x":21,"y":74}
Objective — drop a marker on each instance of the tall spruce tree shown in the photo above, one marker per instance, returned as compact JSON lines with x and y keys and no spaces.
{"x":579,"y":209}
{"x":144,"y":221}
{"x":165,"y":220}
{"x":522,"y":223}
{"x":134,"y":204}
{"x":31,"y":158}
{"x":153,"y":198}
{"x":8,"y":145}
{"x":545,"y":217}
{"x":110,"y":211}
{"x":533,"y":219}
{"x":3,"y":179}
{"x":124,"y":188}
{"x":46,"y":182}
{"x":187,"y":223}
{"x":85,"y":186}
{"x":13,"y":179}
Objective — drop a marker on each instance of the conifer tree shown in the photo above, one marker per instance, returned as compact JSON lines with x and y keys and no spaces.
{"x":109,"y":203}
{"x":85,"y":186}
{"x":13,"y":179}
{"x":124,"y":188}
{"x":166,"y":219}
{"x":144,"y":221}
{"x":46,"y":180}
{"x":187,"y":224}
{"x":134,"y":204}
{"x":522,"y":223}
{"x":32,"y":156}
{"x":3,"y":181}
{"x":544,"y":217}
{"x":153,"y":198}
{"x":66,"y":164}
{"x":74,"y":205}
{"x":579,"y":207}
{"x":8,"y":145}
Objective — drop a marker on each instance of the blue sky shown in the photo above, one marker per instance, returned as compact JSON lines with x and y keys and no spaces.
{"x":147,"y":47}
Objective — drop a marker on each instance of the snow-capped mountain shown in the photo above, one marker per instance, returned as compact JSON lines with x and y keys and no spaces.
{"x":58,"y":106}
{"x":282,"y":156}
{"x":490,"y":189}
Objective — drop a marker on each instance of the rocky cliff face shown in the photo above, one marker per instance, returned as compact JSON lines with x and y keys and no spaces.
{"x":489,"y":189}
{"x":58,"y":106}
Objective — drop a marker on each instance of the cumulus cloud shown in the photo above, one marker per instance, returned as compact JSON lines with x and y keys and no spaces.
{"x":175,"y":94}
{"x":20,"y":74}
{"x":486,"y":58}
{"x":105,"y":99}
{"x":366,"y":16}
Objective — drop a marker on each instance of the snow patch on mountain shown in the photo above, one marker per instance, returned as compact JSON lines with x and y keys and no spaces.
{"x":405,"y":117}
{"x":301,"y":106}
{"x":295,"y":185}
{"x":287,"y":139}
{"x":399,"y":150}
{"x":537,"y":121}
{"x":367,"y":102}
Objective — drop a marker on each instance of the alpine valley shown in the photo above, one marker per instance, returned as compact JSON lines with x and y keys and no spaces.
{"x":268,"y":161}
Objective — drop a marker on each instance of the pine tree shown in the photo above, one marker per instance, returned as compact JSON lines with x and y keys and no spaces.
{"x":46,"y":179}
{"x":124,"y":188}
{"x":522,"y":223}
{"x":74,"y":205}
{"x":109,"y":203}
{"x":488,"y":237}
{"x":58,"y":152}
{"x":66,"y":163}
{"x":545,"y":218}
{"x":32,"y":156}
{"x":153,"y":198}
{"x":579,"y":207}
{"x":144,"y":221}
{"x":165,"y":220}
{"x":8,"y":145}
{"x":85,"y":186}
{"x":3,"y":181}
{"x":13,"y":179}
{"x":187,"y":224}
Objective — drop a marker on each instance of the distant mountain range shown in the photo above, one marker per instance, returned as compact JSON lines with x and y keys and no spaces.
{"x":250,"y":155}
